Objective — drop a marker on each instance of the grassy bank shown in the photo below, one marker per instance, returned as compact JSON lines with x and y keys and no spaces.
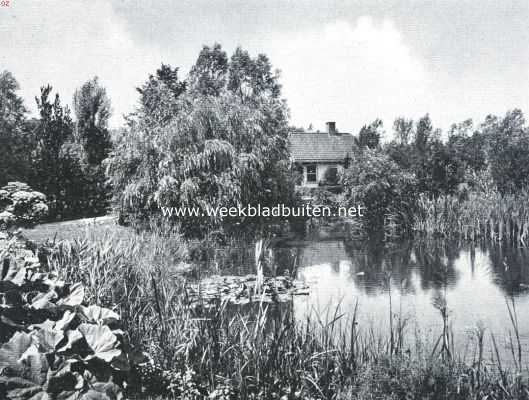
{"x":264,"y":353}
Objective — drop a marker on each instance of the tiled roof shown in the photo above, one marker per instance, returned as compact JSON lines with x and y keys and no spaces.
{"x":320,"y":147}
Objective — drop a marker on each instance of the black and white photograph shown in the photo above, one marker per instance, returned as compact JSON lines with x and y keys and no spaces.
{"x":264,"y":200}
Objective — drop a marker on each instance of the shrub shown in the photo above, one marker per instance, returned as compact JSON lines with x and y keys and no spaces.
{"x":21,"y":205}
{"x":386,"y":191}
{"x":331,"y":177}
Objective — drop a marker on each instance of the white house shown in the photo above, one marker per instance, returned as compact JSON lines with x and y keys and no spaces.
{"x":317,"y":153}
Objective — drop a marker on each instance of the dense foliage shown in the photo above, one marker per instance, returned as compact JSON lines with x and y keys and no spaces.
{"x":497,"y":147}
{"x":475,"y":168}
{"x":266,"y":352}
{"x":92,"y":111}
{"x":220,"y":138}
{"x":21,"y":206}
{"x":52,"y":344}
{"x":15,"y":159}
{"x":56,"y":156}
{"x":223,"y":142}
{"x":386,"y":191}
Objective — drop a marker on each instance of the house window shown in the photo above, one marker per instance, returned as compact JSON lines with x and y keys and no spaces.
{"x":311,"y":173}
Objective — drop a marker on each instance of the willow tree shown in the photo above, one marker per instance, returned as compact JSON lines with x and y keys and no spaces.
{"x":208,"y":150}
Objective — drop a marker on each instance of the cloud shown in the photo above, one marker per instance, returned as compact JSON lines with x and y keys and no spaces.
{"x":351,"y":69}
{"x":351,"y":73}
{"x":66,"y":43}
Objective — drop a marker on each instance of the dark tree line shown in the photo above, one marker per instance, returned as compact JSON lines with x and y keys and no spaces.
{"x":490,"y":159}
{"x":495,"y":150}
{"x":52,"y":153}
{"x":220,"y":137}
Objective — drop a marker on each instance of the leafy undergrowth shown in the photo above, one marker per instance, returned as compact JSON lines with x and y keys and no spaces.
{"x":60,"y":347}
{"x":52,"y":345}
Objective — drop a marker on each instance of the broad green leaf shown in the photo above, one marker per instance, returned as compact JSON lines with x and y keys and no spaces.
{"x":93,"y":395}
{"x":75,"y":296}
{"x":121,"y":362}
{"x":15,"y":273}
{"x":99,"y":315}
{"x":47,"y":339}
{"x":44,"y":300}
{"x":101,"y":340}
{"x":34,"y":364}
{"x":64,"y":322}
{"x":11,"y":351}
{"x":72,"y":337}
{"x":26,"y":393}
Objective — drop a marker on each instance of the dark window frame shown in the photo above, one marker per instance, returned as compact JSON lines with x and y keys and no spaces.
{"x":312,"y":177}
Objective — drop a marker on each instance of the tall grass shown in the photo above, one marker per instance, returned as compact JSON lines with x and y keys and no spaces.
{"x":479,"y":216}
{"x":264,"y":352}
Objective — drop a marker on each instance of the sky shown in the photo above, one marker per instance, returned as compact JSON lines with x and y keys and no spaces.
{"x":343,"y":61}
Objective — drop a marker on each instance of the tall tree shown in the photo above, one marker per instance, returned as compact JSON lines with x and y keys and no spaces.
{"x":462,"y":129}
{"x":400,"y":148}
{"x":467,"y":146}
{"x":250,"y":77}
{"x":55,"y":127}
{"x":57,"y":169}
{"x":158,"y":94}
{"x":370,"y":135}
{"x":424,"y":134}
{"x":403,"y":130}
{"x":382,"y":187}
{"x":508,"y":150}
{"x":15,"y":142}
{"x":211,"y":151}
{"x":208,"y":76}
{"x":92,"y":110}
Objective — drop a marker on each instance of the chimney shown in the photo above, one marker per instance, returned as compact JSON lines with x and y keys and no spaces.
{"x":331,"y":128}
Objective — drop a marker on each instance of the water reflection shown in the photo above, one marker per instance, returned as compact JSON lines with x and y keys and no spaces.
{"x":413,"y":266}
{"x":473,"y":279}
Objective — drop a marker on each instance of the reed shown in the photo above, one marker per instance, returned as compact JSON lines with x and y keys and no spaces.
{"x":263,"y":351}
{"x":492,"y":216}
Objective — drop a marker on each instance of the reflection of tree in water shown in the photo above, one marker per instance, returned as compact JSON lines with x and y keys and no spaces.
{"x":432,"y":261}
{"x":240,"y":260}
{"x":373,"y":261}
{"x":435,"y":260}
{"x":509,"y":268}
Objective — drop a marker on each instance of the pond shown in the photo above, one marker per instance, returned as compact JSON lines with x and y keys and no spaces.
{"x":475,"y":280}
